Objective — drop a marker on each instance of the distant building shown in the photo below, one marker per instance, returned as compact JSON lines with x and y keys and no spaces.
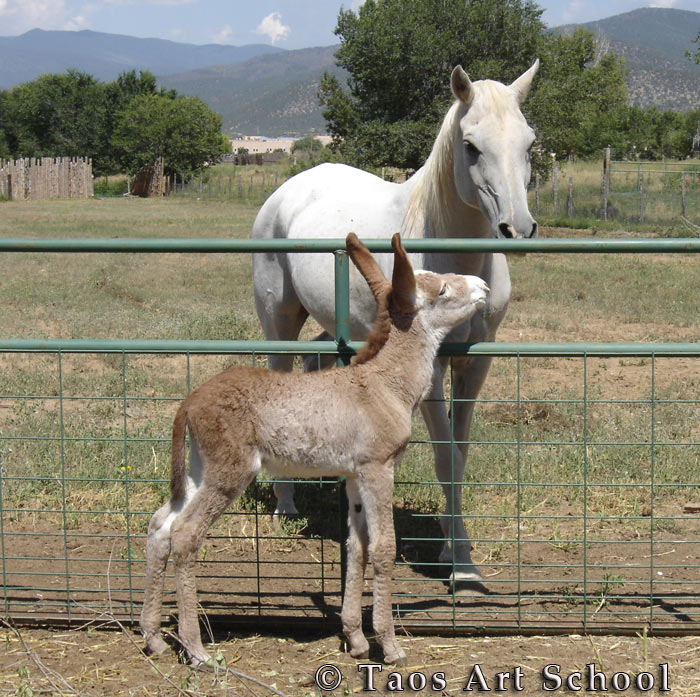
{"x":257,"y":145}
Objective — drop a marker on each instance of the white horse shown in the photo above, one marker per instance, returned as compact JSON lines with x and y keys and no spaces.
{"x":473,"y":185}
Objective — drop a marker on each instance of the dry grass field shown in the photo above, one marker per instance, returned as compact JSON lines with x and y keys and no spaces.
{"x":555,"y":298}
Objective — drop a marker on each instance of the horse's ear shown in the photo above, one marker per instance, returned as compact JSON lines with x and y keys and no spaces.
{"x":367,"y":266}
{"x":522,"y":85}
{"x":403,"y":280}
{"x":461,"y":85}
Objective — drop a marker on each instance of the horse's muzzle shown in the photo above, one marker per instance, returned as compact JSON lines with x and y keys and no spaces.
{"x":507,"y":232}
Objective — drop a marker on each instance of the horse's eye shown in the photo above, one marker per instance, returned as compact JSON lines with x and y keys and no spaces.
{"x":472,"y":150}
{"x":443,"y":290}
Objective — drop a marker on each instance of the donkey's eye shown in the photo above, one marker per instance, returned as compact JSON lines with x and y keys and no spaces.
{"x":443,"y":290}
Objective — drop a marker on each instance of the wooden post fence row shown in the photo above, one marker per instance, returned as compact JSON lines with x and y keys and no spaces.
{"x":47,"y":177}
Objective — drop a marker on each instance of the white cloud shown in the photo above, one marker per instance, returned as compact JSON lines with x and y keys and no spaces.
{"x":18,"y":16}
{"x":223,"y":35}
{"x":272,"y":27}
{"x":150,"y":2}
{"x":663,"y":3}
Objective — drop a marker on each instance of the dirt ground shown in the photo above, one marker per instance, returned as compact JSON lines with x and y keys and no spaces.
{"x":100,"y":662}
{"x":102,"y":655}
{"x":273,"y":581}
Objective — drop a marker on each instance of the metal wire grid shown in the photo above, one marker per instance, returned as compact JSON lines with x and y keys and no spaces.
{"x":66,"y":563}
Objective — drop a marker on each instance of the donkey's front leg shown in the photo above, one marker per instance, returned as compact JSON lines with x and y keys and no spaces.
{"x":357,"y":547}
{"x":376,"y":490}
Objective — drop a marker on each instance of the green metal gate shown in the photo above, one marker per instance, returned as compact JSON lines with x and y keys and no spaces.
{"x":592,"y":527}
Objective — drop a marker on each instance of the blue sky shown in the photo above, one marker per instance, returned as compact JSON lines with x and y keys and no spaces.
{"x":285,"y":23}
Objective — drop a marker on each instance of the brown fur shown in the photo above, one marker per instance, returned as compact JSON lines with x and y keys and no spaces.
{"x":248,"y":417}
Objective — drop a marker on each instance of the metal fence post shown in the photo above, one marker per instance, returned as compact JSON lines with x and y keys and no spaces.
{"x":342,"y":337}
{"x":342,"y":305}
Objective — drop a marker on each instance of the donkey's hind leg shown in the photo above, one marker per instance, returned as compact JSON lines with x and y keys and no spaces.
{"x":187,"y":534}
{"x":157,"y":553}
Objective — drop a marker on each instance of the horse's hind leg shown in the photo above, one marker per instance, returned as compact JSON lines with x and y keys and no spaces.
{"x":282,"y":316}
{"x":157,"y":553}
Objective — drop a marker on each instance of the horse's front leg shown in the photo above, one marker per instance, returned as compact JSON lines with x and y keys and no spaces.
{"x":449,"y":467}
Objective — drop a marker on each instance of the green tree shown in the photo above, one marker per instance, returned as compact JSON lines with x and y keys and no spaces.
{"x":54,"y":115}
{"x":306,"y":145}
{"x":183,"y":131}
{"x":695,"y":56}
{"x":399,"y":54}
{"x":5,"y":152}
{"x":118,"y":95}
{"x":577,"y":96}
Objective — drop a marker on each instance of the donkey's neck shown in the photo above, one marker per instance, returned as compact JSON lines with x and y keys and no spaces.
{"x":404,"y":364}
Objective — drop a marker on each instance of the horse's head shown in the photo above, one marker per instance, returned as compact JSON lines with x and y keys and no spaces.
{"x":492,"y":152}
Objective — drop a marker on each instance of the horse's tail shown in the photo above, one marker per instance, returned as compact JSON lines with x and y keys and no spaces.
{"x":177,"y":473}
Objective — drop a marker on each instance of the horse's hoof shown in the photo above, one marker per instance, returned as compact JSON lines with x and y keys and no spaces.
{"x":466,"y":572}
{"x":468,"y":587}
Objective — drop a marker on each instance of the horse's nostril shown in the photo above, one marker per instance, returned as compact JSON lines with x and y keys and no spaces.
{"x":533,"y":233}
{"x":506,"y":230}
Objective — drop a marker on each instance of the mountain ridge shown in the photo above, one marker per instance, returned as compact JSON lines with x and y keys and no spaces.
{"x":104,"y":55}
{"x":264,"y":90}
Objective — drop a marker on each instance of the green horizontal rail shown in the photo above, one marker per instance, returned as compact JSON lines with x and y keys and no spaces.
{"x":215,"y":245}
{"x":485,"y":348}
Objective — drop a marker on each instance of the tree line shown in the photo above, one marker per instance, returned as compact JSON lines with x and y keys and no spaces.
{"x":122,"y":125}
{"x":399,"y":55}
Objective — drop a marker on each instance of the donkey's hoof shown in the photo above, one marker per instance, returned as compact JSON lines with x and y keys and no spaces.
{"x":200,"y":660}
{"x":359,"y":646}
{"x":155,"y":646}
{"x":396,"y":657}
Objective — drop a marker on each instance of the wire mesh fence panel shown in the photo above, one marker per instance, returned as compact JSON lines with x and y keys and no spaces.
{"x":580,"y":493}
{"x":579,"y":499}
{"x":655,"y":193}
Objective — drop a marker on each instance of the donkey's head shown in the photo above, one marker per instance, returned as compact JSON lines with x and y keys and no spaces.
{"x":492,"y":151}
{"x":442,"y":301}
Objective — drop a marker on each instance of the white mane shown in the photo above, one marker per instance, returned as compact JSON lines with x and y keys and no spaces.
{"x":428,"y":210}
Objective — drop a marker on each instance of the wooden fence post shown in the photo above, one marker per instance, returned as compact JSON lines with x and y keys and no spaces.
{"x":570,"y":199}
{"x":606,"y":181}
{"x":683,"y":194}
{"x":537,"y":193}
{"x":555,"y":186}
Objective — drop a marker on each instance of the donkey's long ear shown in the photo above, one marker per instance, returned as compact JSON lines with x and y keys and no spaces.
{"x":367,"y":266}
{"x":403,"y":281}
{"x":522,"y":85}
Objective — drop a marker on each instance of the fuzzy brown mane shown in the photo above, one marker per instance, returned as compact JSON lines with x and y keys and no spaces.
{"x":379,"y":333}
